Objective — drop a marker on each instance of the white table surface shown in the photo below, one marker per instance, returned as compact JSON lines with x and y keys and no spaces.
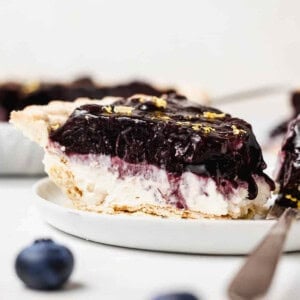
{"x":107,"y":272}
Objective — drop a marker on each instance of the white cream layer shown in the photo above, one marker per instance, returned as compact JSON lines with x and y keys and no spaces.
{"x":102,"y":187}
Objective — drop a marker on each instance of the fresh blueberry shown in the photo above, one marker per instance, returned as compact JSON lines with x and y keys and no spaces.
{"x":176,"y":296}
{"x":44,"y":265}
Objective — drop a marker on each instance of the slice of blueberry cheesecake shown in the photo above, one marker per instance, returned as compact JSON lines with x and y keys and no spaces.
{"x":163,"y":156}
{"x":288,"y":176}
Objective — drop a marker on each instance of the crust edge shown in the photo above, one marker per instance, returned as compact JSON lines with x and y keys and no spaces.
{"x":36,"y":121}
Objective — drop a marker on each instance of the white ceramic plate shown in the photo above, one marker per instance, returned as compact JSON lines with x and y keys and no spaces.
{"x":154,"y":233}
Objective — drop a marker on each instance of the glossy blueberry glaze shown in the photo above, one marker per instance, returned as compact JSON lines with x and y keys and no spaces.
{"x":171,"y":133}
{"x":289,"y":173}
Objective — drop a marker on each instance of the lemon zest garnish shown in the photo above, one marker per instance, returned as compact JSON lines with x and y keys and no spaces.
{"x":107,"y":109}
{"x":127,"y":110}
{"x":197,"y":126}
{"x":159,"y":102}
{"x":237,"y":131}
{"x":290,"y":197}
{"x":212,"y":115}
{"x":208,"y":129}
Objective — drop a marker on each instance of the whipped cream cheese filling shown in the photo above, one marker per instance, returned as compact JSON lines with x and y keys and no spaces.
{"x":105,"y":183}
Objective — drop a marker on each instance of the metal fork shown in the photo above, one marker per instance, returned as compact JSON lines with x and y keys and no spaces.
{"x":255,"y":277}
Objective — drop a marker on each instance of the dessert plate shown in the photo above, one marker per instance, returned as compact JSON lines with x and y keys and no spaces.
{"x":155,"y":233}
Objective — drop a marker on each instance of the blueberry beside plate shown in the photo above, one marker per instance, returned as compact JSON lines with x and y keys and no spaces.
{"x":44,"y":265}
{"x":176,"y":296}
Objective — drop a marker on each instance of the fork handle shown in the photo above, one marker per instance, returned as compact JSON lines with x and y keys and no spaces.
{"x":254,"y":278}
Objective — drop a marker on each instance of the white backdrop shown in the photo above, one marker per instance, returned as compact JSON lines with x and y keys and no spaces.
{"x":220,"y":45}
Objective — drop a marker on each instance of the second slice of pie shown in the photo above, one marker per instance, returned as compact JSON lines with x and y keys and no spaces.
{"x":288,"y":175}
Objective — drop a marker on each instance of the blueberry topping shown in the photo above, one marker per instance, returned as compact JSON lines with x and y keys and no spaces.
{"x":44,"y":265}
{"x":174,"y":134}
{"x":176,"y":296}
{"x":289,"y":173}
